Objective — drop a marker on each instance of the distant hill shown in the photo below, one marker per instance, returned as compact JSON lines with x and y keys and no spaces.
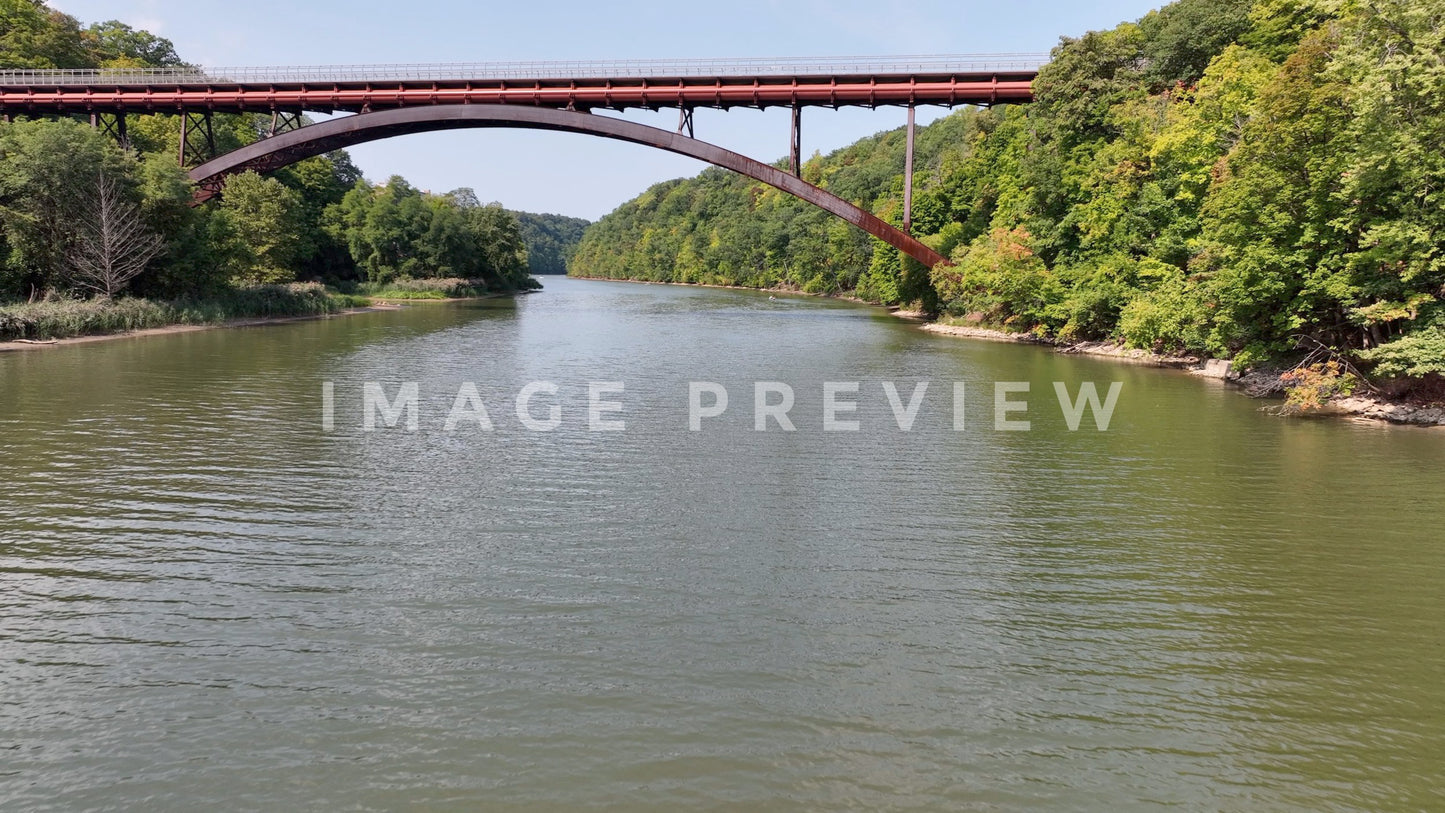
{"x":551,"y":240}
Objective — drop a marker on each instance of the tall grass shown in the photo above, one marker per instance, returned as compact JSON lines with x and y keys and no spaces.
{"x":62,"y":318}
{"x":446,"y":288}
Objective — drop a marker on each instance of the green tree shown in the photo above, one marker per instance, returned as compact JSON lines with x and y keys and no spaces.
{"x":47,"y":176}
{"x":34,"y":36}
{"x":383,"y":228}
{"x":1271,"y":234}
{"x":260,"y":217}
{"x":1392,"y":196}
{"x":551,"y":240}
{"x":117,"y":45}
{"x":320,"y":183}
{"x":193,"y":262}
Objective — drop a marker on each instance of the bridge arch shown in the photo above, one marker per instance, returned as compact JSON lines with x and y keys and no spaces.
{"x":287,"y":148}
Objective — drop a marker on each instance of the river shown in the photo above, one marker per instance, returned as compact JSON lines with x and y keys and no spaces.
{"x":208,"y":599}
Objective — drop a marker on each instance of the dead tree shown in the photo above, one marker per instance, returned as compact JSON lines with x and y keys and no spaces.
{"x":112,"y":244}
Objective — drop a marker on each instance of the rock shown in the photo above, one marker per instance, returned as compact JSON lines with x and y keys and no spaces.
{"x":1261,"y":383}
{"x":1216,"y":368}
{"x":1354,"y":404}
{"x":1428,"y":417}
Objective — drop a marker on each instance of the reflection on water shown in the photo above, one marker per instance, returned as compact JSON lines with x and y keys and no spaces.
{"x":209,"y":601}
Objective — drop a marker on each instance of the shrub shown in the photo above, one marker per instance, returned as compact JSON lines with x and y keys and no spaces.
{"x":1312,"y":386}
{"x":1000,"y":277}
{"x":406,"y":288}
{"x":1418,"y":354}
{"x":63,"y":318}
{"x":1171,"y":316}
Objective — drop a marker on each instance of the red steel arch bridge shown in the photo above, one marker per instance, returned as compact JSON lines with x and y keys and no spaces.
{"x":392,"y":100}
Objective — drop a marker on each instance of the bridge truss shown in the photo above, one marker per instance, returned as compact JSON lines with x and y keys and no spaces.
{"x":108,"y":96}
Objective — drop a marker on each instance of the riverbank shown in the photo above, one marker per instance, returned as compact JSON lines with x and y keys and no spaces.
{"x":1103,"y":349}
{"x":774,"y":290}
{"x":60,"y":322}
{"x":260,"y":321}
{"x":1261,"y":384}
{"x":55,"y":319}
{"x":1255,"y":383}
{"x":168,"y":330}
{"x":446,"y":289}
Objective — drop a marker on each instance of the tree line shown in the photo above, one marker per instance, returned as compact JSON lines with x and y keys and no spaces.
{"x":1226,"y":177}
{"x":551,"y":240}
{"x":81,"y":215}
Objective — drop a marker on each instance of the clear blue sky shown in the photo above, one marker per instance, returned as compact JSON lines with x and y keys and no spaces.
{"x":580,"y":175}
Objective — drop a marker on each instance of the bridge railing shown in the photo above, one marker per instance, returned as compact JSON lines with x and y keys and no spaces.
{"x":628,"y":69}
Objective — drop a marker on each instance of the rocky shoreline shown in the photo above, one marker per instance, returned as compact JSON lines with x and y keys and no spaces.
{"x":1260,"y":383}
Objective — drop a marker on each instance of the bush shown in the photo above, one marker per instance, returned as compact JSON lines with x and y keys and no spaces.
{"x":1172,"y":316}
{"x":60,"y":318}
{"x":292,"y":299}
{"x":1312,"y":386}
{"x":817,"y":285}
{"x":63,"y":318}
{"x":1418,"y":354}
{"x":447,"y":288}
{"x":1000,"y":277}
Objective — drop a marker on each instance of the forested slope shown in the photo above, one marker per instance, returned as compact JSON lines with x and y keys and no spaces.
{"x":1222,"y":176}
{"x":551,"y":240}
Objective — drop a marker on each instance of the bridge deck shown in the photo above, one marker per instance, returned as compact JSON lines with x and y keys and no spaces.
{"x":574,"y":86}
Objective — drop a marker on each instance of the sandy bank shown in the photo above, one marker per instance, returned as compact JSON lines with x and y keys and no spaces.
{"x":170,"y":329}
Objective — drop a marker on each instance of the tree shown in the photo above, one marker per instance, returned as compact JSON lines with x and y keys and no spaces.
{"x":119,"y":46}
{"x":47,"y":178}
{"x":321,"y":182}
{"x":383,"y":228}
{"x":1271,"y":239}
{"x":33,"y":36}
{"x":194,"y":262}
{"x":261,"y":216}
{"x":1182,"y":37}
{"x":1000,"y":277}
{"x":1393,"y":190}
{"x":112,"y":245}
{"x":551,"y":240}
{"x":503,"y":252}
{"x":396,"y":231}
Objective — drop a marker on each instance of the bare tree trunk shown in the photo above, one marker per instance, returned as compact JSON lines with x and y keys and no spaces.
{"x":112,"y":244}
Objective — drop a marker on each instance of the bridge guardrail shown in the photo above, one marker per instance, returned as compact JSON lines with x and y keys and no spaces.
{"x":627,"y":69}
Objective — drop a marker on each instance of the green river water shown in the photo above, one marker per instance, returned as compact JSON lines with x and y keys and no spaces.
{"x":209,"y":601}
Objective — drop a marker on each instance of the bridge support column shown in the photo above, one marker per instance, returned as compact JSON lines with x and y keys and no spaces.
{"x":198,"y":139}
{"x":795,"y":149}
{"x":113,"y":126}
{"x":908,"y":178}
{"x":684,"y":121}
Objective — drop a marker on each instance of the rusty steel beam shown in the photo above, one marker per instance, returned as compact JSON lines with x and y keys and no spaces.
{"x":722,"y":92}
{"x":317,"y":139}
